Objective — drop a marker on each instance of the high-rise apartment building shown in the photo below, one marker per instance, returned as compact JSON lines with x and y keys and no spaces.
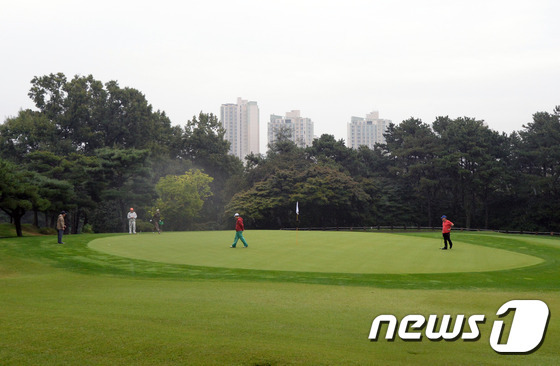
{"x":299,"y":129}
{"x":241,"y":122}
{"x":367,"y":131}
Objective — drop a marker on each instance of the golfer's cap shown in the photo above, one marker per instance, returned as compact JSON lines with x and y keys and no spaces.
{"x":236,"y":214}
{"x":62,"y":212}
{"x":131,"y":209}
{"x":444,"y":217}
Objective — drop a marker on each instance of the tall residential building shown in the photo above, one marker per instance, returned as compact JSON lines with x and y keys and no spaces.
{"x":299,"y":129}
{"x":367,"y":131}
{"x":241,"y":122}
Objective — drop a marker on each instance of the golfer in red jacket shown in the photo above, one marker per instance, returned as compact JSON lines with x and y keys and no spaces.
{"x":239,"y":228}
{"x":446,"y":231}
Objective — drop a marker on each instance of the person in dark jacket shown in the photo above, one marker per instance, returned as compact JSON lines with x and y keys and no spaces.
{"x":155,"y":220}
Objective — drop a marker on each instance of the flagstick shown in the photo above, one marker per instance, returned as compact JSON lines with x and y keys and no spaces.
{"x":297,"y":228}
{"x":297,"y":220}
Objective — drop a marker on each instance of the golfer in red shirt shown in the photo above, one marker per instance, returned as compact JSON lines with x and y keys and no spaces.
{"x":446,"y":231}
{"x":239,"y":228}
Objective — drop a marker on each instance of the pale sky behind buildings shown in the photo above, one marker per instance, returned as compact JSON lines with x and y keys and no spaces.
{"x":495,"y":60}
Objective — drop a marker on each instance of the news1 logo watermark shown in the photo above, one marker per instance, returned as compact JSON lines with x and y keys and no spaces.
{"x":526,"y":334}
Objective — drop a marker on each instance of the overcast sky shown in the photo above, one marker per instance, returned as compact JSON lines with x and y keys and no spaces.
{"x":495,"y":60}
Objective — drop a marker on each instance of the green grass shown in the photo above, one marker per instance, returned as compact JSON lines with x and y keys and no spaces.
{"x":8,"y":230}
{"x":338,"y":252}
{"x":73,"y":304}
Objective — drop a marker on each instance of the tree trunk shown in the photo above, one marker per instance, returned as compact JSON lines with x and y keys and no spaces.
{"x":486,"y":214}
{"x":75,"y":220}
{"x":468,"y":211}
{"x":17,"y":222}
{"x":53,"y":219}
{"x":17,"y":214}
{"x":429,"y":213}
{"x":123,"y":218}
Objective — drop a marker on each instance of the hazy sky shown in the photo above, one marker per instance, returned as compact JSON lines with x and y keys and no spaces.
{"x":495,"y":60}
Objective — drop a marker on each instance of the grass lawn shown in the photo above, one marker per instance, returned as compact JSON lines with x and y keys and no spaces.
{"x":187,"y":298}
{"x":339,"y":252}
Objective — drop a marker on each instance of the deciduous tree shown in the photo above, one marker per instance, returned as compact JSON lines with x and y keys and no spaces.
{"x":181,"y":197}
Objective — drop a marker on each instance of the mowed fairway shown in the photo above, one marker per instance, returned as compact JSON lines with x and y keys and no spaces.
{"x":305,"y":251}
{"x":143,"y":300}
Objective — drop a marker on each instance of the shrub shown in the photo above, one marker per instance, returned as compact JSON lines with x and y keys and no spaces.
{"x":143,"y":226}
{"x":87,"y":229}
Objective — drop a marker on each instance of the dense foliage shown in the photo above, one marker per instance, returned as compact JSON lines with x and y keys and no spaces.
{"x":97,"y":149}
{"x":458,"y":167}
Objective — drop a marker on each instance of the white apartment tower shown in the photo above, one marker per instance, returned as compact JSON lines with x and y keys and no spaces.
{"x":300,"y":129}
{"x":367,"y":131}
{"x":241,"y":122}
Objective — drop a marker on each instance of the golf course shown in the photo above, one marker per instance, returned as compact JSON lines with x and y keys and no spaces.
{"x":290,"y":298}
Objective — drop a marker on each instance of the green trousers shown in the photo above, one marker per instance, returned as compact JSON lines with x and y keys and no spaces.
{"x":239,"y":235}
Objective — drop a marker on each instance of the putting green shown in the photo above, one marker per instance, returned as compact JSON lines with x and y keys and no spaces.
{"x":305,"y":251}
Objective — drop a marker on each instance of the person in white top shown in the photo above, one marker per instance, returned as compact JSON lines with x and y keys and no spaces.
{"x":131,"y":221}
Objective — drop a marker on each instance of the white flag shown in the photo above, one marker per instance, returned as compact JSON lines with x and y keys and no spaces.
{"x":297,"y":208}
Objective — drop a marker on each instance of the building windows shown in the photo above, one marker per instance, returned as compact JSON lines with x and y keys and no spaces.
{"x":241,"y":122}
{"x":300,"y":129}
{"x":366,"y":131}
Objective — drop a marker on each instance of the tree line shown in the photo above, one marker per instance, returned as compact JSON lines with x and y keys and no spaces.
{"x":96,"y":149}
{"x":458,"y":167}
